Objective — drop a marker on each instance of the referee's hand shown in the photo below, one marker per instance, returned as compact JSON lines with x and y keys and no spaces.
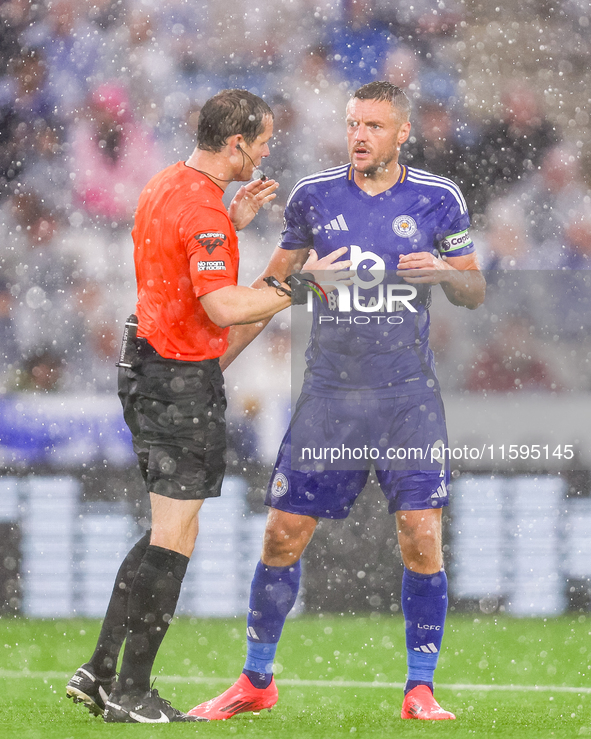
{"x":249,"y":200}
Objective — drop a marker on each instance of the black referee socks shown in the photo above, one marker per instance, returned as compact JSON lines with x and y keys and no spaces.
{"x":152,"y":603}
{"x":114,"y":627}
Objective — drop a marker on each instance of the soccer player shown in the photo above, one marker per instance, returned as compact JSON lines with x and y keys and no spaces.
{"x":368,"y":382}
{"x":186,"y":258}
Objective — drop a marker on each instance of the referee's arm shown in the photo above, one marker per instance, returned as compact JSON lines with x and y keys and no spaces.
{"x":237,"y":304}
{"x":282,"y":263}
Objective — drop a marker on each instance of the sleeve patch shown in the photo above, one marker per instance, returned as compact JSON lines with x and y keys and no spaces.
{"x":210,"y":240}
{"x":456,"y":241}
{"x":214,"y":266}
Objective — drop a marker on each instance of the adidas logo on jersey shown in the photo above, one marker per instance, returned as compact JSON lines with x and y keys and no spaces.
{"x":337,"y":224}
{"x":427,"y":648}
{"x":441,"y":492}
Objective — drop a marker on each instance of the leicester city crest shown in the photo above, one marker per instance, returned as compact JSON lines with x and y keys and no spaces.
{"x":279,"y":485}
{"x":404,"y":226}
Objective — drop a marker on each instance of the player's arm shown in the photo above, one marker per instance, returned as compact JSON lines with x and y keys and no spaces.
{"x":465,"y":284}
{"x":460,"y":277}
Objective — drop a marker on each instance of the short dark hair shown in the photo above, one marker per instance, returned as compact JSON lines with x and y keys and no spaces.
{"x":385,"y":91}
{"x":228,"y":113}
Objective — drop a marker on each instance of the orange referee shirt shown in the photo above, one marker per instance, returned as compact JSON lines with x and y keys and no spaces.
{"x":181,"y":214}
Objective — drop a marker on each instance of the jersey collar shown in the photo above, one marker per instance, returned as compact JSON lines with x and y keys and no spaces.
{"x":401,"y":178}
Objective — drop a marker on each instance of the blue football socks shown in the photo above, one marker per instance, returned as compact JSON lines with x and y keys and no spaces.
{"x":424,"y":605}
{"x":273,"y":592}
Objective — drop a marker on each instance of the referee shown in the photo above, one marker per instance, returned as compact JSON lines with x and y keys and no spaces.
{"x":186,"y":259}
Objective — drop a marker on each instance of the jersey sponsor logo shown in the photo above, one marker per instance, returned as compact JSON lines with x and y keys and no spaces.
{"x":210,"y":240}
{"x":368,"y":264}
{"x":370,"y":271}
{"x":337,"y":224}
{"x":404,"y":226}
{"x":456,"y":241}
{"x":217,"y":266}
{"x":280,"y":485}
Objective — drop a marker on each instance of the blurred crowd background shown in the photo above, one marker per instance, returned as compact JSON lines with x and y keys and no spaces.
{"x":96,"y":97}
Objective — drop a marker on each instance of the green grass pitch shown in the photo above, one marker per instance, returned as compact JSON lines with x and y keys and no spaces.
{"x":337,"y":677}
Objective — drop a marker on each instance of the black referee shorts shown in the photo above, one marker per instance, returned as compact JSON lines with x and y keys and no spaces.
{"x":176,"y":413}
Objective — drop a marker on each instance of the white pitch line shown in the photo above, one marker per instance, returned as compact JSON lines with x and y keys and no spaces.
{"x":177,"y":679}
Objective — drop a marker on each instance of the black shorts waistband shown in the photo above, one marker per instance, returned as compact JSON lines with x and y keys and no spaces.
{"x":146,"y":351}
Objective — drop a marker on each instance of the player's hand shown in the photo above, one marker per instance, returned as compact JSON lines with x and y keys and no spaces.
{"x":249,"y":200}
{"x":422,"y":268}
{"x":329,"y":267}
{"x":330,"y":262}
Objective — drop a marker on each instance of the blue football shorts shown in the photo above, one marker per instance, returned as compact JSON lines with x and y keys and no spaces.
{"x":331,"y":444}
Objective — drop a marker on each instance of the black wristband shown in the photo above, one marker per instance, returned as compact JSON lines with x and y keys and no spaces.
{"x":274,"y":282}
